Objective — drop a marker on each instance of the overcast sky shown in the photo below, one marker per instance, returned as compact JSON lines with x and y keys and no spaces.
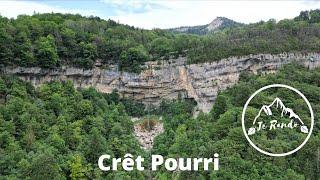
{"x":164,"y":14}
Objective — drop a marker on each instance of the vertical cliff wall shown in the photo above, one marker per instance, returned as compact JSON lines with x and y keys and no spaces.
{"x":167,"y":79}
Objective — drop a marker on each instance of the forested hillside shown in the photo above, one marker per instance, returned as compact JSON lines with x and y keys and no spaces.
{"x":302,"y":34}
{"x":52,"y":40}
{"x":220,"y":132}
{"x":58,"y":132}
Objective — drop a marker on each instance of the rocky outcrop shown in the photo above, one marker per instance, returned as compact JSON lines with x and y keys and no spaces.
{"x":146,"y":138}
{"x":167,"y":79}
{"x":218,"y":24}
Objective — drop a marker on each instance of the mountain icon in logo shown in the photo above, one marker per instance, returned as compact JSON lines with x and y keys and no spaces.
{"x":278,"y":104}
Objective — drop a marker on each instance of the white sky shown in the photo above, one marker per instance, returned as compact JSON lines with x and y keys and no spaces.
{"x":166,"y":14}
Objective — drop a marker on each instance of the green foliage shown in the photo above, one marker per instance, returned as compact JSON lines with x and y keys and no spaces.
{"x":6,"y":45}
{"x":161,"y":47}
{"x":24,"y":53}
{"x":44,"y":166}
{"x":78,"y":170}
{"x":51,"y":40}
{"x":297,"y":35}
{"x":130,"y":60}
{"x":312,"y":16}
{"x":221,"y":132}
{"x":56,"y":132}
{"x":133,"y":108}
{"x":46,"y":52}
{"x":87,"y":55}
{"x":220,"y":107}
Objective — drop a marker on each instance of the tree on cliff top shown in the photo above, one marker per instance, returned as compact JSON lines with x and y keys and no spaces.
{"x":46,"y":52}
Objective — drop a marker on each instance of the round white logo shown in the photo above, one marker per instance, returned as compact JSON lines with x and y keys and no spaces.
{"x":269,"y":115}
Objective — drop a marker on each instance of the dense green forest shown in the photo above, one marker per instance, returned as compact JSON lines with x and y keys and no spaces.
{"x":301,"y":34}
{"x":220,"y":132}
{"x":52,"y":40}
{"x":58,"y":132}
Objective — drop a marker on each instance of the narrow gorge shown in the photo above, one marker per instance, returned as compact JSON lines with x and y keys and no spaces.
{"x":167,"y":79}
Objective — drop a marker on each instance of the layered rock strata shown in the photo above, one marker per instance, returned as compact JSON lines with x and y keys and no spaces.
{"x":167,"y":79}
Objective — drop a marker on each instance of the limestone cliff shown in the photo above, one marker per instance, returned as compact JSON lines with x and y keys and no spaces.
{"x":167,"y":79}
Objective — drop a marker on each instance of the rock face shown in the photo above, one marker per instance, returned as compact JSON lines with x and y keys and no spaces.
{"x":146,"y":138}
{"x":216,"y":25}
{"x":168,"y":79}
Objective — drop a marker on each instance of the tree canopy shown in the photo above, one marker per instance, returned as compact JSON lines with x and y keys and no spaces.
{"x":53,"y":39}
{"x":58,"y":132}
